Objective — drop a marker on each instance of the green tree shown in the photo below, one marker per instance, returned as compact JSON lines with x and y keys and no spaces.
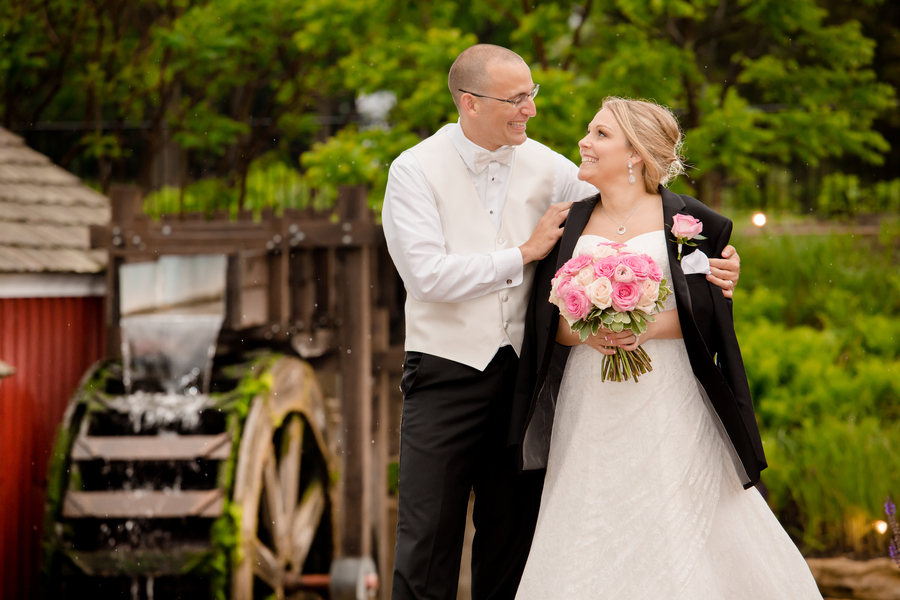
{"x":220,"y":79}
{"x":756,"y":83}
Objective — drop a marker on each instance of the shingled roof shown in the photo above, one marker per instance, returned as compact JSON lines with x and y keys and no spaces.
{"x":45,"y":214}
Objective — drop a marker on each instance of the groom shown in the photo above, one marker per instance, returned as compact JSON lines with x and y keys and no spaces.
{"x":465,"y":214}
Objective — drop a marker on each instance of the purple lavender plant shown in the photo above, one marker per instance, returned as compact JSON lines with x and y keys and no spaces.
{"x":894,"y":549}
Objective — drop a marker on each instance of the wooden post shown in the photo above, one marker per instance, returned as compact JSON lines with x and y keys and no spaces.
{"x":384,"y":537}
{"x":126,"y":205}
{"x":280,"y":280}
{"x":355,"y":313}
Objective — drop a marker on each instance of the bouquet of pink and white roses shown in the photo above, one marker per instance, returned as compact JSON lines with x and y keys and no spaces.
{"x":611,"y":286}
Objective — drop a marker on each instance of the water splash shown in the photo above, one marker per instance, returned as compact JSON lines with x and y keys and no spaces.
{"x":163,"y":411}
{"x":173,"y":350}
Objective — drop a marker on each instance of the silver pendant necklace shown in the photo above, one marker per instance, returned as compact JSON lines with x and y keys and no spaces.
{"x":621,"y":230}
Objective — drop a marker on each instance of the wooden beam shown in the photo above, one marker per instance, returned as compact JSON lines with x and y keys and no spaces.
{"x":143,"y":504}
{"x":182,"y":447}
{"x":134,"y":563}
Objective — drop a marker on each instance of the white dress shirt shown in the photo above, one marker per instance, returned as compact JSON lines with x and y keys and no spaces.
{"x":412,"y":227}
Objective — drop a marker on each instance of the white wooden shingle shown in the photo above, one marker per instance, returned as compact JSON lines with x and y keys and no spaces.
{"x":45,"y":214}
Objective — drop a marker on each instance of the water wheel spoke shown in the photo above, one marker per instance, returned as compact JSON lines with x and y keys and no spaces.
{"x":305,"y":523}
{"x":256,"y":421}
{"x":289,"y":469}
{"x":274,"y":518}
{"x":266,"y":566}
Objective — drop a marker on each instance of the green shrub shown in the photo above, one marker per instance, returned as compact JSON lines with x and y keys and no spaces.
{"x":818,"y":319}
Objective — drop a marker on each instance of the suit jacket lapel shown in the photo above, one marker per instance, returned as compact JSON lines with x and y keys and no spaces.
{"x":673,"y":205}
{"x":579,"y":215}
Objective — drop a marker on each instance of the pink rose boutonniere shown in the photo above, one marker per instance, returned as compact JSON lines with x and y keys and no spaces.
{"x":686,"y":228}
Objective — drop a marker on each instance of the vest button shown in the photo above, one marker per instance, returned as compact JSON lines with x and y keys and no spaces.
{"x":505,"y":298}
{"x":505,"y":324}
{"x":509,"y":282}
{"x":501,"y":241}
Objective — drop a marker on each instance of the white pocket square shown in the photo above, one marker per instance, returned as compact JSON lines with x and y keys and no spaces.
{"x":695,"y":262}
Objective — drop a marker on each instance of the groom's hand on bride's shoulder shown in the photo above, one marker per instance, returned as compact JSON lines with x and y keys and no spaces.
{"x":725,"y":271}
{"x":546,"y":234}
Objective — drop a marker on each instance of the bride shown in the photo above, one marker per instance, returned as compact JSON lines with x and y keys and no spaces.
{"x":649,"y":486}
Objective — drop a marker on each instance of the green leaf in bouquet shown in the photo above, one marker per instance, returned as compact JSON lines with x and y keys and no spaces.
{"x":626,"y":319}
{"x":617,"y":327}
{"x":608,"y":318}
{"x":595,"y":327}
{"x":584,"y":333}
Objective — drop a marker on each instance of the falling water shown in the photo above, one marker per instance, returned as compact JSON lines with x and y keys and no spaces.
{"x":174,"y":350}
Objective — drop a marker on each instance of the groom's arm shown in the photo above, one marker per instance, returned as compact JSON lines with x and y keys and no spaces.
{"x":415,"y":240}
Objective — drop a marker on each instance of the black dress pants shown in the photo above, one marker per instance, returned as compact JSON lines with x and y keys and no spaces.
{"x":453,"y":439}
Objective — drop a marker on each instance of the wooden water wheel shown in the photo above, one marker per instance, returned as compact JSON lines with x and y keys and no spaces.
{"x":281,"y":510}
{"x":233,"y":502}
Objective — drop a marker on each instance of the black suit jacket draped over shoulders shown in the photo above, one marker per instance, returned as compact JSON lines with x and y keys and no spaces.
{"x":707,"y":326}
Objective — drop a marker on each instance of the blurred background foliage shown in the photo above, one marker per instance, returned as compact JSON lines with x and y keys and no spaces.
{"x":818,"y":319}
{"x":788,"y":107}
{"x":786,"y":100}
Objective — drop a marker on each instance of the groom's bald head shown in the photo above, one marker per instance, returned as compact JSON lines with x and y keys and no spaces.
{"x":470,"y":70}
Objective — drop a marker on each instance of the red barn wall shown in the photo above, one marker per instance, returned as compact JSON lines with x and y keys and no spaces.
{"x":51,"y":342}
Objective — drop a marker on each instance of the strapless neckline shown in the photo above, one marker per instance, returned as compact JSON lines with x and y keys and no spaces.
{"x":626,"y":241}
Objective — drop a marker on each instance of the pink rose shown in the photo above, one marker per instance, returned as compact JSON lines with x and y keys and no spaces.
{"x":606,"y":267}
{"x":600,"y":293}
{"x":654,"y":273}
{"x":686,"y":227}
{"x":564,"y":285}
{"x":575,"y":264}
{"x":625,"y":295}
{"x":623,"y":274}
{"x":577,"y":304}
{"x":638,"y":265}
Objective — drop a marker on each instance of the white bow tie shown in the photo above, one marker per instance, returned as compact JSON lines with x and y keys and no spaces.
{"x":483,"y":157}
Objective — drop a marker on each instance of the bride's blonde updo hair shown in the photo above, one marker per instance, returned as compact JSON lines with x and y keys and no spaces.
{"x":654,"y":134}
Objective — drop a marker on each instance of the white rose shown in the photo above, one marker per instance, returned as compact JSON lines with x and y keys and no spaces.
{"x":602,"y":251}
{"x":585,"y":276}
{"x":600,"y":293}
{"x":649,"y":295}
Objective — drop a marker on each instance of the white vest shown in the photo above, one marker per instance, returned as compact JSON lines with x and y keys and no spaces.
{"x":470,"y":332}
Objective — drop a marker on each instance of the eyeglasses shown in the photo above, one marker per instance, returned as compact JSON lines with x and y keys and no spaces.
{"x":516,"y":102}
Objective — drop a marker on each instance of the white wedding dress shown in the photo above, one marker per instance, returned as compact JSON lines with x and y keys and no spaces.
{"x":641,"y":498}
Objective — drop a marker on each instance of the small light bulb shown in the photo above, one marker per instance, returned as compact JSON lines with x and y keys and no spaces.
{"x":759,"y":219}
{"x":880,"y":526}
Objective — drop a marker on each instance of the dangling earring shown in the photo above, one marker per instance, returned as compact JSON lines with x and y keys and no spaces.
{"x":631,"y":178}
